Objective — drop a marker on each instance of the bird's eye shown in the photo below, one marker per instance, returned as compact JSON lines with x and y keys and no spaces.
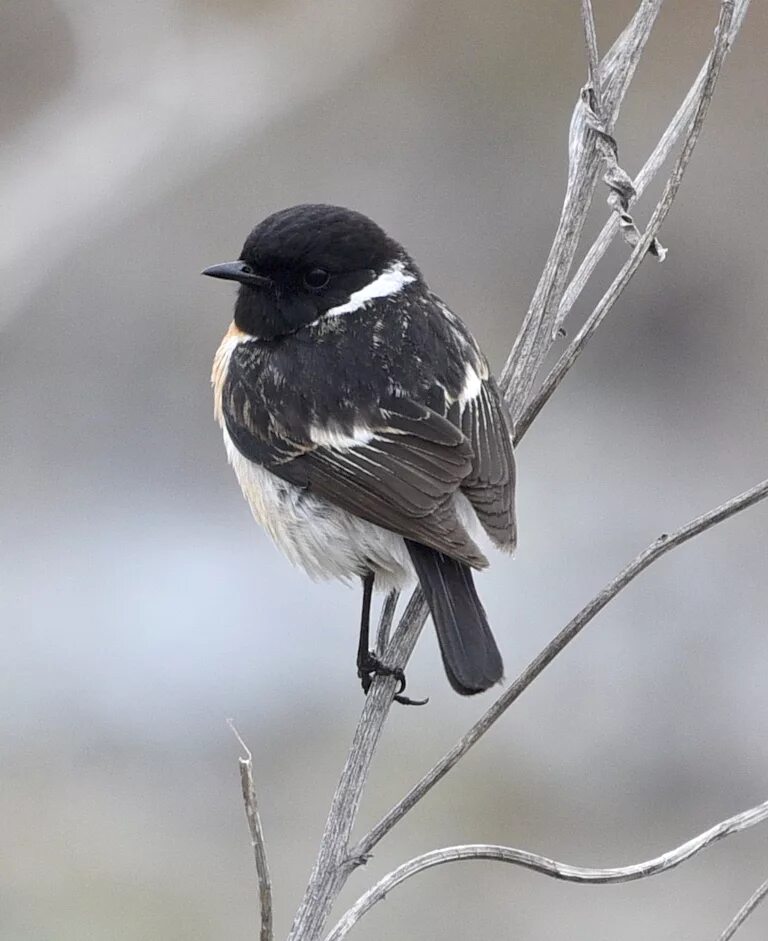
{"x":316,"y":278}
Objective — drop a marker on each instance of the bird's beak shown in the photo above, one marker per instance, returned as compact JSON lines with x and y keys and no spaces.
{"x":236,"y":271}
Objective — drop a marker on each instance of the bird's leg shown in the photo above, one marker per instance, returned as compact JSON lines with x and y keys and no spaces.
{"x":366,"y":659}
{"x":368,"y":664}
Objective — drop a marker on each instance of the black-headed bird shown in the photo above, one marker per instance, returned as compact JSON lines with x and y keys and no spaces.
{"x":363,"y":425}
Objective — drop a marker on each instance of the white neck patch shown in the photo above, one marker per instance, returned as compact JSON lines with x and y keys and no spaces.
{"x":391,"y":281}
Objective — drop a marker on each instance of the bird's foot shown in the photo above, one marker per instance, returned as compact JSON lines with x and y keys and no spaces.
{"x":370,"y":666}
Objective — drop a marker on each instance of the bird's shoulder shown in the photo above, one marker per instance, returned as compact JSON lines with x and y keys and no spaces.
{"x":342,"y":370}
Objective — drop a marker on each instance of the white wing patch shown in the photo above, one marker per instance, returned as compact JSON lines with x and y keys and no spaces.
{"x":336,"y":438}
{"x":391,"y":281}
{"x":473,"y":386}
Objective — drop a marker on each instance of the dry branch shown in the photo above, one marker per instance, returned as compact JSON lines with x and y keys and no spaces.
{"x":257,"y":837}
{"x":655,"y":551}
{"x":555,"y":869}
{"x":534,"y":340}
{"x":593,"y":57}
{"x":591,"y":147}
{"x":386,"y":620}
{"x":745,"y":911}
{"x":679,"y":123}
{"x":630,"y":267}
{"x":332,"y":865}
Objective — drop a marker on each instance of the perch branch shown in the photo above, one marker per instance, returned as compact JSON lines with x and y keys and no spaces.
{"x":557,"y":870}
{"x":625,"y":275}
{"x":257,"y":837}
{"x":655,"y":551}
{"x":745,"y":911}
{"x":386,"y":619}
{"x":332,"y":865}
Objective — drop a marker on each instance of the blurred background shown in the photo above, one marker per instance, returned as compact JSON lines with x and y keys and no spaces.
{"x":141,"y":606}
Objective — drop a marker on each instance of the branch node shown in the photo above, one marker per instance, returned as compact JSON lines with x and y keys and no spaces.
{"x":355,"y":861}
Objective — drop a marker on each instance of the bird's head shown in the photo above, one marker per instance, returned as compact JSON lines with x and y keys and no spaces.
{"x":312,"y":261}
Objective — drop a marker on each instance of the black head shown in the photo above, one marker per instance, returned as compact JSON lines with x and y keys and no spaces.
{"x":303,"y":262}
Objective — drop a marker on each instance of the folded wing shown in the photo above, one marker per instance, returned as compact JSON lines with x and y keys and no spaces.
{"x":490,"y":485}
{"x":400,"y":469}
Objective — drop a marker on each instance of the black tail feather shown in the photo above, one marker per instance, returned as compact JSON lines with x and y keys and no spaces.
{"x":471,"y":658}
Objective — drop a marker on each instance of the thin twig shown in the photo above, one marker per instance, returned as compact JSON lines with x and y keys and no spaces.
{"x":257,"y":837}
{"x":679,"y":123}
{"x":593,"y":57}
{"x":534,"y":341}
{"x":745,"y":911}
{"x":622,"y":190}
{"x":385,"y":621}
{"x":551,"y":867}
{"x":622,"y":279}
{"x":655,"y":551}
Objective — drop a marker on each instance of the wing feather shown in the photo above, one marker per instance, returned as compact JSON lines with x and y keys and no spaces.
{"x":490,"y":486}
{"x":402,"y":473}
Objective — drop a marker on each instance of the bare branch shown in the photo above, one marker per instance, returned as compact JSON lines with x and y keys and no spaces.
{"x":535,"y":338}
{"x":386,"y":619}
{"x":655,"y":551}
{"x":593,"y":57}
{"x":622,"y":190}
{"x":745,"y":911}
{"x":634,"y":261}
{"x":257,"y":837}
{"x":624,"y":222}
{"x":555,"y":869}
{"x":333,"y":863}
{"x":333,"y":860}
{"x":590,"y":146}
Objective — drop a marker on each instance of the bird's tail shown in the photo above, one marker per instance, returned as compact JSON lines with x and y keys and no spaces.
{"x":471,"y":658}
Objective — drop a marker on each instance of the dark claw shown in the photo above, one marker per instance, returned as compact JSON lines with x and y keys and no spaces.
{"x":371,"y":666}
{"x":407,"y":701}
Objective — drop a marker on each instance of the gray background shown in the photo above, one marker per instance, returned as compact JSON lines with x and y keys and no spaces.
{"x":141,"y":606}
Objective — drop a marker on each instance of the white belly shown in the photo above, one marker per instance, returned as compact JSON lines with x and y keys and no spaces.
{"x":325,"y":541}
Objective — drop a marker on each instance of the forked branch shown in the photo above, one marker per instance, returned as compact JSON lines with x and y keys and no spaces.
{"x":623,"y":222}
{"x":640,"y":250}
{"x":534,"y":340}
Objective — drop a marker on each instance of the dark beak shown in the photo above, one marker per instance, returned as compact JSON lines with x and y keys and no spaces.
{"x":236,"y":271}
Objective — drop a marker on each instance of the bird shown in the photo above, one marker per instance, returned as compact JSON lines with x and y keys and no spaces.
{"x":364,"y":427}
